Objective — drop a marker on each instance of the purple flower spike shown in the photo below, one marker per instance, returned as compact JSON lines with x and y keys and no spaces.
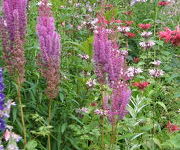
{"x":110,"y":63}
{"x":49,"y":41}
{"x":12,"y":31}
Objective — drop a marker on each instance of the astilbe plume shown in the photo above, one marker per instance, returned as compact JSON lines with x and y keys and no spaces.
{"x":12,"y":31}
{"x":110,"y":69}
{"x":49,"y":57}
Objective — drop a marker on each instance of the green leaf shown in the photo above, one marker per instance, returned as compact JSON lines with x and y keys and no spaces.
{"x":162,"y":105}
{"x":31,"y":145}
{"x":63,"y":127}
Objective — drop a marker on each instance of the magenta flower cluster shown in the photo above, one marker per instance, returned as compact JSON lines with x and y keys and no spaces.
{"x":111,"y":70}
{"x":49,"y":57}
{"x":12,"y":31}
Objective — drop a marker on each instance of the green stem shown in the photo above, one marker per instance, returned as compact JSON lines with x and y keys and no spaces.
{"x":155,"y":18}
{"x":21,"y":109}
{"x":49,"y":120}
{"x":113,"y":133}
{"x":102,"y":124}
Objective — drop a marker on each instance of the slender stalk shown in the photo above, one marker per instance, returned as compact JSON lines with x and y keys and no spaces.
{"x":155,"y":18}
{"x":49,"y":120}
{"x":21,"y":109}
{"x":102,"y":123}
{"x":113,"y":133}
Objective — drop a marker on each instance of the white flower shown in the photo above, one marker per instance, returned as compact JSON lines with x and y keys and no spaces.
{"x":123,"y":29}
{"x":156,"y":62}
{"x":94,"y":21}
{"x":84,"y":56}
{"x":91,"y":82}
{"x":5,"y":23}
{"x":132,"y":71}
{"x":138,"y":70}
{"x":41,"y":3}
{"x":101,"y":112}
{"x":146,"y":34}
{"x":156,"y":72}
{"x":147,"y":44}
{"x":82,"y":110}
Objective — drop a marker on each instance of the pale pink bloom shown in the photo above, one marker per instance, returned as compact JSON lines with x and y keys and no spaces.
{"x":132,"y":71}
{"x":156,"y":72}
{"x":123,"y":29}
{"x":84,"y":56}
{"x":9,"y":134}
{"x":82,"y":110}
{"x":156,"y":62}
{"x":91,"y":82}
{"x":147,"y":44}
{"x":101,"y":112}
{"x":146,"y":34}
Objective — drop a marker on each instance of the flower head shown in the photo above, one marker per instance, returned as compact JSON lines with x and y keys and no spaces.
{"x":136,"y":59}
{"x":146,"y":34}
{"x":49,"y":57}
{"x":163,"y":3}
{"x":144,"y":26}
{"x":171,"y":36}
{"x":156,"y":62}
{"x":130,"y":34}
{"x":141,"y":85}
{"x":172,"y":127}
{"x":147,"y":45}
{"x":156,"y":72}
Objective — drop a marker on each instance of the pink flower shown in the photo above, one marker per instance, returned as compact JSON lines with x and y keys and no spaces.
{"x":163,"y":3}
{"x":171,"y":36}
{"x":156,"y":62}
{"x":130,"y":34}
{"x":156,"y":72}
{"x":128,"y":23}
{"x":172,"y":127}
{"x":141,"y":85}
{"x":144,"y":26}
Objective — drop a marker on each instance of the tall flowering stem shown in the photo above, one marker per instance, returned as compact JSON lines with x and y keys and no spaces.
{"x":111,"y":71}
{"x":13,"y":31}
{"x":49,"y":56}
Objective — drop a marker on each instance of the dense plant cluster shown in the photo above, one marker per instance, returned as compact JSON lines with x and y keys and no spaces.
{"x":89,"y":75}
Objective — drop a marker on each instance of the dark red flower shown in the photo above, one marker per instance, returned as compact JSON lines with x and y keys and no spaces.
{"x":93,"y":104}
{"x":163,"y":3}
{"x":117,"y":21}
{"x":144,"y":26}
{"x":130,"y":34}
{"x":128,"y":23}
{"x":172,"y":127}
{"x":128,"y":13}
{"x":136,"y":59}
{"x":141,"y":85}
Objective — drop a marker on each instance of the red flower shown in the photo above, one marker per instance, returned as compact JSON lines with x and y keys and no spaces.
{"x":128,"y":23}
{"x":172,"y":127}
{"x":136,"y":59}
{"x":144,"y":26}
{"x":130,"y":35}
{"x":93,"y":104}
{"x":163,"y":3}
{"x":128,"y":13}
{"x":170,"y":36}
{"x":141,"y":85}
